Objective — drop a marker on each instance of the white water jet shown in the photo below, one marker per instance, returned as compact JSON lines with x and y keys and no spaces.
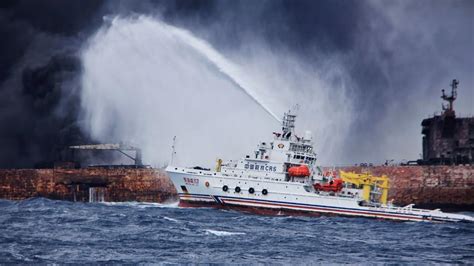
{"x":145,"y":81}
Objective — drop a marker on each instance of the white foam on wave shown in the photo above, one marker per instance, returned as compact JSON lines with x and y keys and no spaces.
{"x":223,"y":233}
{"x":170,"y":219}
{"x":143,"y":205}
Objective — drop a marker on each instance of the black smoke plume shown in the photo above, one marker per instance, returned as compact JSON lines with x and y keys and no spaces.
{"x":398,"y":54}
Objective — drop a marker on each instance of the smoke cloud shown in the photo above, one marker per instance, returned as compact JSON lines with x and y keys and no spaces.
{"x":39,"y":73}
{"x":400,"y":62}
{"x":365,"y":74}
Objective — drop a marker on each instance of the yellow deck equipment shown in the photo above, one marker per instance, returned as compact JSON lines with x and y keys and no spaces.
{"x":370,"y":184}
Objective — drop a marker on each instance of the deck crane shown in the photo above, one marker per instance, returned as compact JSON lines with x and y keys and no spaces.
{"x":370,"y":184}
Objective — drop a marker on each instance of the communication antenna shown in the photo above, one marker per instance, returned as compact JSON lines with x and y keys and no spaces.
{"x":173,"y":151}
{"x":295,"y":108}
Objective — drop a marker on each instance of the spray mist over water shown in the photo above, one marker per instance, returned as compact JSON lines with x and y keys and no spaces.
{"x":145,"y":81}
{"x":226,"y":67}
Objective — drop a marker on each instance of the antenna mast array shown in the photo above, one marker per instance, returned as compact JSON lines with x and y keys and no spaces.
{"x":449,"y":110}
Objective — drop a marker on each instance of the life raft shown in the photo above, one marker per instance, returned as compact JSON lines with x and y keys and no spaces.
{"x":299,"y":171}
{"x":334,"y":185}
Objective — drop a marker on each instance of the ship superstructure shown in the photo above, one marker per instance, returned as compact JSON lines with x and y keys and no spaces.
{"x":272,"y":160}
{"x":281,"y":176}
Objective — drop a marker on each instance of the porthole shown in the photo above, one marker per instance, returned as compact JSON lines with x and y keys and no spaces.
{"x":264,"y":192}
{"x":225,"y":188}
{"x":251,"y":190}
{"x":237,"y":189}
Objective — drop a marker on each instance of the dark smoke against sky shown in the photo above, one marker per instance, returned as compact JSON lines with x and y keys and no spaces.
{"x":397,"y":56}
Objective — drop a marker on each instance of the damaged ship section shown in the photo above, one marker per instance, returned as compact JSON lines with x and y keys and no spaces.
{"x":87,"y":184}
{"x":448,"y":139}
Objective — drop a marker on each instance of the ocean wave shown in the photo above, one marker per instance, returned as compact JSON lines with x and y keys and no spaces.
{"x":42,"y":231}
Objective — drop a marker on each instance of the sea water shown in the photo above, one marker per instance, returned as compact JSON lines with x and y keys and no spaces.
{"x":45,"y":231}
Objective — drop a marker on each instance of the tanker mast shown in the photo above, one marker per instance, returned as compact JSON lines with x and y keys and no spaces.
{"x":449,"y":110}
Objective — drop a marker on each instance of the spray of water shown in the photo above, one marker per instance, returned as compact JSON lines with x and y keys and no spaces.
{"x":227,"y":68}
{"x":145,"y":81}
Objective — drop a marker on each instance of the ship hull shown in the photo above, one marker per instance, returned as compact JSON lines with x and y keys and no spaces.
{"x":212,"y":189}
{"x":285,"y":208}
{"x":248,"y":209}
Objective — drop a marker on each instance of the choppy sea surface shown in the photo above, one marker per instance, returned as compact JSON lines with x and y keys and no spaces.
{"x":46,"y":231}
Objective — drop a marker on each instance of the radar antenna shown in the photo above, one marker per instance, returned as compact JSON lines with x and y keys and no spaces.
{"x":449,"y":110}
{"x":295,"y":108}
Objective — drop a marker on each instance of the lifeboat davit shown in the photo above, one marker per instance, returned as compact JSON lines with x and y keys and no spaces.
{"x":299,"y":171}
{"x":334,"y":185}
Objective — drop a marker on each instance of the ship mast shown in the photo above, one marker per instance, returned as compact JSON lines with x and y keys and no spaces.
{"x":449,"y":110}
{"x":288,"y":124}
{"x":173,"y":150}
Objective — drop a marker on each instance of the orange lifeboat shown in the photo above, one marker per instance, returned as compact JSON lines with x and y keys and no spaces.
{"x":299,"y":171}
{"x":334,"y":185}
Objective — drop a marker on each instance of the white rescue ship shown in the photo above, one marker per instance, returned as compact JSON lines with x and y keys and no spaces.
{"x":281,"y":177}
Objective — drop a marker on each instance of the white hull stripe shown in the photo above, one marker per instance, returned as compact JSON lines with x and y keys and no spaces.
{"x":308,"y":207}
